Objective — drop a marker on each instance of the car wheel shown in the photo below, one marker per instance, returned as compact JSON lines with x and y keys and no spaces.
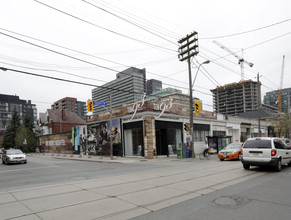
{"x":221,"y":159}
{"x":289,"y":164}
{"x":246,"y":166}
{"x":278,"y":166}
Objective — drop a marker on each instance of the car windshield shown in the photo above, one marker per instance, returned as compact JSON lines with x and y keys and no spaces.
{"x":258,"y":143}
{"x":10,"y":152}
{"x":233,"y":146}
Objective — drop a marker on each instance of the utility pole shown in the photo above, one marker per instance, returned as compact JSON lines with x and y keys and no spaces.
{"x":289,"y":119}
{"x":111,"y":145}
{"x":259,"y":104}
{"x":187,"y":49}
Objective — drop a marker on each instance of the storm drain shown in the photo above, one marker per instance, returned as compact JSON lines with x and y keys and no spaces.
{"x":231,"y":201}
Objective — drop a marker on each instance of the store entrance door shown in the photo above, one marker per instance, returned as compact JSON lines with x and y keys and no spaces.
{"x":161,"y":142}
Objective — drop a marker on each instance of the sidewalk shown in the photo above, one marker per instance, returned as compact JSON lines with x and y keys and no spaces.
{"x":115,"y":159}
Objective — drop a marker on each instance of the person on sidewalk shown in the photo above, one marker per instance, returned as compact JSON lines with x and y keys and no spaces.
{"x":205,"y":147}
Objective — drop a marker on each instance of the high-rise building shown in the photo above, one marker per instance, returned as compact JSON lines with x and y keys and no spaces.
{"x":128,"y":87}
{"x":71,"y":104}
{"x":7,"y":103}
{"x":271,"y":99}
{"x":153,"y":86}
{"x":236,"y":98}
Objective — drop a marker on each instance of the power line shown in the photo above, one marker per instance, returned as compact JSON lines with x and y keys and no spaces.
{"x":69,"y":81}
{"x":207,"y":73}
{"x":246,"y":32}
{"x":106,"y":29}
{"x":107,"y":68}
{"x":54,"y":51}
{"x":153,"y":26}
{"x":51,"y":70}
{"x":153,"y":15}
{"x":130,"y":22}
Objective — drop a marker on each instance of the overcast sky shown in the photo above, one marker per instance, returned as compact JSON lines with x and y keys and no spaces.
{"x":90,"y":41}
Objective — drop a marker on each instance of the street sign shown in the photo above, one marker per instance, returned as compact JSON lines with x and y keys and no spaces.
{"x":99,"y":103}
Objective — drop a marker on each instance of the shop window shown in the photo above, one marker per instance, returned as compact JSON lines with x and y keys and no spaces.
{"x":200,"y":136}
{"x":133,"y":142}
{"x":174,"y":139}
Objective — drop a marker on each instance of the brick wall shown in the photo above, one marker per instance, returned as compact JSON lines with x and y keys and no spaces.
{"x":56,"y":143}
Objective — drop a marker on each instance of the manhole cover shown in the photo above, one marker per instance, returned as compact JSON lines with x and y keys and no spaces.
{"x":231,"y":201}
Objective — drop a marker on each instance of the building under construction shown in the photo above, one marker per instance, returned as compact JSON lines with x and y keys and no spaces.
{"x":236,"y":98}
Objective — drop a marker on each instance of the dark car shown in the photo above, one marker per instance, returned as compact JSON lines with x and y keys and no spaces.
{"x":13,"y":156}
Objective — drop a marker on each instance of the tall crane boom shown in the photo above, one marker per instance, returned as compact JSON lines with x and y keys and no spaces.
{"x":241,"y":60}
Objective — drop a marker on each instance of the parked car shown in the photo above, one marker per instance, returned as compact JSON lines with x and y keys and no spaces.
{"x":231,"y":151}
{"x":13,"y":156}
{"x":266,"y":151}
{"x":287,"y":141}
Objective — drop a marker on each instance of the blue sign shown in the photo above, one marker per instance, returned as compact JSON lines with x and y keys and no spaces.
{"x":99,"y":103}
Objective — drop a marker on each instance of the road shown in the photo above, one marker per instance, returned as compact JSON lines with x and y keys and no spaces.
{"x":49,"y":188}
{"x":42,"y":171}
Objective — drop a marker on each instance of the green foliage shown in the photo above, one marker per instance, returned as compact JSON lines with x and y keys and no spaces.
{"x":20,"y":136}
{"x":10,"y":133}
{"x":281,"y":125}
{"x":28,"y":122}
{"x":25,"y":139}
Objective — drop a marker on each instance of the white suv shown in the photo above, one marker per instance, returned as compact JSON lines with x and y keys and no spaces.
{"x":265,"y":151}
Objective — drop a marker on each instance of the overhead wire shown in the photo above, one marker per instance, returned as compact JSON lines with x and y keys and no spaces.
{"x":66,"y":13}
{"x":147,"y":23}
{"x":246,"y":32}
{"x":130,"y":22}
{"x":82,"y":59}
{"x":212,"y":78}
{"x":63,"y":54}
{"x":52,"y":70}
{"x":106,"y":29}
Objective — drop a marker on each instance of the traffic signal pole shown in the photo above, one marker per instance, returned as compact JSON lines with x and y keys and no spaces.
{"x":111,"y":145}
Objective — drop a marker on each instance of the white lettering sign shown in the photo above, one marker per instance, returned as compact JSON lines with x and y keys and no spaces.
{"x":165,"y":106}
{"x":55,"y":143}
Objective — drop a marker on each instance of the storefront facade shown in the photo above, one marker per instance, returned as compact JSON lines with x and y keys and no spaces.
{"x":155,"y":127}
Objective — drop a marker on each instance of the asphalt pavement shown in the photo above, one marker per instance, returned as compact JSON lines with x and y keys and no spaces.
{"x":122,"y":196}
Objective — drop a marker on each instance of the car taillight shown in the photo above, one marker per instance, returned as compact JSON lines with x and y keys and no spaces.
{"x":273,"y":152}
{"x":241,"y":152}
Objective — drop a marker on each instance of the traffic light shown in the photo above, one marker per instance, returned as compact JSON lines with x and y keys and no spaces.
{"x":115,"y":131}
{"x":90,"y":105}
{"x":197,"y":106}
{"x":187,"y":127}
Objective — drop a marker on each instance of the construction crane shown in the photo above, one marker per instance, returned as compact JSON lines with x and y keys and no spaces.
{"x":279,"y":96}
{"x":241,"y":60}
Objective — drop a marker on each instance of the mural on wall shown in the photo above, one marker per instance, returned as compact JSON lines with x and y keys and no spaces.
{"x":79,"y":139}
{"x":99,"y":138}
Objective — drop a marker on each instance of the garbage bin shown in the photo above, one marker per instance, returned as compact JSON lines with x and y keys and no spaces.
{"x":188,"y":152}
{"x":179,"y":153}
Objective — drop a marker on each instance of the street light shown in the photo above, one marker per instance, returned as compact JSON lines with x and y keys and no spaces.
{"x":205,"y":62}
{"x":191,"y":107}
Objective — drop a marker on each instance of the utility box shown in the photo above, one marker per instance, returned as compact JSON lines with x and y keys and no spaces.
{"x":179,"y":153}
